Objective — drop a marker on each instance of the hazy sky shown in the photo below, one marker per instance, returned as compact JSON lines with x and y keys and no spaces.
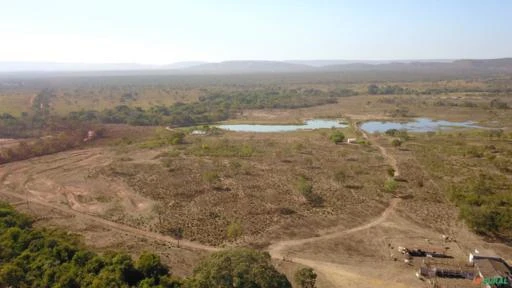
{"x":164,"y":31}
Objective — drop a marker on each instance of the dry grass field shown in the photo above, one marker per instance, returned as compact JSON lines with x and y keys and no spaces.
{"x":306,"y":200}
{"x":210,"y":182}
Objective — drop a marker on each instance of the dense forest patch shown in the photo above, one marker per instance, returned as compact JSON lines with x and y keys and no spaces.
{"x":31,"y":257}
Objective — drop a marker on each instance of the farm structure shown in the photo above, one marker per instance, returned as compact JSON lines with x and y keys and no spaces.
{"x":480,"y":271}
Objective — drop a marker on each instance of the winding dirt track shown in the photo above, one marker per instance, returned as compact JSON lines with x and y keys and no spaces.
{"x":113,"y":225}
{"x":333,"y":273}
{"x":277,"y":249}
{"x":391,"y":160}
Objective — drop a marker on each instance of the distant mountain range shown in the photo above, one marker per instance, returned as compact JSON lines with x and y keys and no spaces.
{"x":251,"y":66}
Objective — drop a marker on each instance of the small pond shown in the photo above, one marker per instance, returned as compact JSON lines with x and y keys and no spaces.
{"x":418,"y":125}
{"x":308,"y":125}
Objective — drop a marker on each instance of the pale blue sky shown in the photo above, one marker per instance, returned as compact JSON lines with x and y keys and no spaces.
{"x":165,"y":31}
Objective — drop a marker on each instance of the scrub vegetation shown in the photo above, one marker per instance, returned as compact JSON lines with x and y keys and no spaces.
{"x":31,"y":257}
{"x":159,"y":176}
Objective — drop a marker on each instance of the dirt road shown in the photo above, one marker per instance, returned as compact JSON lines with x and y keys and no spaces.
{"x":277,"y":249}
{"x":113,"y":225}
{"x":390,"y":159}
{"x":336,"y":274}
{"x":333,"y":273}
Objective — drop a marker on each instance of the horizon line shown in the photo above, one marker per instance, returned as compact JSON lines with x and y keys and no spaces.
{"x":245,"y":60}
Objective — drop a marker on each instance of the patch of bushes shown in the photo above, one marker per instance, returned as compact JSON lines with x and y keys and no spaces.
{"x":222,"y":148}
{"x":390,"y":185}
{"x":31,"y":257}
{"x":306,"y":190}
{"x":44,"y":258}
{"x":401,"y":134}
{"x":212,"y":108}
{"x":45,"y":146}
{"x":164,"y":137}
{"x":305,"y":278}
{"x":485,"y":205}
{"x":337,"y":137}
{"x":396,"y":142}
{"x":389,"y":90}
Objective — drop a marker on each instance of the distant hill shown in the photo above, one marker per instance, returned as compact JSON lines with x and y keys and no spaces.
{"x":249,"y":67}
{"x":182,"y":65}
{"x":323,"y":63}
{"x":490,"y":65}
{"x":54,"y":66}
{"x":441,"y":67}
{"x":60,"y":67}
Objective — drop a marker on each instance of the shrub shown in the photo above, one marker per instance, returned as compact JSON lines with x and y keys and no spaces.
{"x":340,"y":176}
{"x":211,"y":177}
{"x":396,"y":142}
{"x":391,"y":132}
{"x":305,"y":278}
{"x":400,"y":134}
{"x":390,"y":185}
{"x":234,"y":230}
{"x":337,"y":137}
{"x":304,"y":186}
{"x":306,"y":189}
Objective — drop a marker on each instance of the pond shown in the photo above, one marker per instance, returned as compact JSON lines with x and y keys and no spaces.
{"x":418,"y":125}
{"x":308,"y":125}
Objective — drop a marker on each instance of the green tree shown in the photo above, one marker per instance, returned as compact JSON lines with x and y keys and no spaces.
{"x":51,"y":258}
{"x":150,"y":266}
{"x":237,"y":268}
{"x":337,"y":137}
{"x":305,"y":278}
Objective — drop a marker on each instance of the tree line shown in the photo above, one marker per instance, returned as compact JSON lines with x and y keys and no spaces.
{"x":62,"y":141}
{"x":34,"y":257}
{"x":212,"y":108}
{"x":374,"y":89}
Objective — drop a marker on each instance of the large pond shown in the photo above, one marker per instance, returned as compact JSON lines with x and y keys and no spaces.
{"x":308,"y":125}
{"x":418,"y":125}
